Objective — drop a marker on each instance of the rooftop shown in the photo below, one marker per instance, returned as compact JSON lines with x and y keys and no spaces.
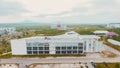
{"x":67,"y":36}
{"x":100,"y":31}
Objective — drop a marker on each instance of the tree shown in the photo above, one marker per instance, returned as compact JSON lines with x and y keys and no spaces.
{"x":4,"y":43}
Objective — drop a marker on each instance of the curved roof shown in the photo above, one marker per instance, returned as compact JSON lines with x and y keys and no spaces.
{"x":100,"y":31}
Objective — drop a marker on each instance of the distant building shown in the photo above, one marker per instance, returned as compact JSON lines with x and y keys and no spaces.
{"x":59,"y":26}
{"x":6,"y":30}
{"x":112,"y":33}
{"x":68,"y":43}
{"x":113,"y":25}
{"x":100,"y":32}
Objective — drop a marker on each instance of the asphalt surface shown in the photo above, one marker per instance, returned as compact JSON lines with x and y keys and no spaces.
{"x":27,"y":61}
{"x":24,"y":61}
{"x":111,"y":50}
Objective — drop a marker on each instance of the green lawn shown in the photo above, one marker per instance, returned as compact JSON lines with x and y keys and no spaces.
{"x":42,"y":56}
{"x":50,"y":55}
{"x":108,"y":65}
{"x":6,"y":56}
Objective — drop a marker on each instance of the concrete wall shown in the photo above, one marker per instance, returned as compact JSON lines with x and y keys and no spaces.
{"x":18,"y":47}
{"x":114,"y":42}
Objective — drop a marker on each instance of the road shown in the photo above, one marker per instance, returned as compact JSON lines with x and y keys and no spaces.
{"x":27,"y":61}
{"x":111,"y":50}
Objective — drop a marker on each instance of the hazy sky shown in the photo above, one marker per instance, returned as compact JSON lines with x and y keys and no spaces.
{"x":63,"y":11}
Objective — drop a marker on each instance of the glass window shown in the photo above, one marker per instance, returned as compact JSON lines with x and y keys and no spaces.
{"x":69,"y":48}
{"x":40,"y":44}
{"x":69,"y":52}
{"x":29,"y":52}
{"x":46,"y":48}
{"x":74,"y":47}
{"x":89,"y":45}
{"x":34,"y":48}
{"x":28,"y":44}
{"x":40,"y":52}
{"x":80,"y":47}
{"x":57,"y":48}
{"x":80,"y":51}
{"x":63,"y":48}
{"x":80,"y":43}
{"x":57,"y":52}
{"x":29,"y":48}
{"x":35,"y":52}
{"x":85,"y":47}
{"x":74,"y":52}
{"x":40,"y":48}
{"x":63,"y":52}
{"x":46,"y":52}
{"x":46,"y":45}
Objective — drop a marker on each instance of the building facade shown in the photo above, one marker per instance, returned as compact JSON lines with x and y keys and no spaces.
{"x":101,"y":32}
{"x":113,"y":25}
{"x":68,"y":43}
{"x":6,"y":30}
{"x":59,"y":26}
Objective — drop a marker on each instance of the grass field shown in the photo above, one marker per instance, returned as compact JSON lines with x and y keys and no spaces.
{"x":42,"y":56}
{"x":108,"y":65}
{"x":50,"y":55}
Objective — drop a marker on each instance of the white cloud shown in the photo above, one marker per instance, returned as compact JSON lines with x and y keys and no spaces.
{"x":60,"y":10}
{"x":48,"y":6}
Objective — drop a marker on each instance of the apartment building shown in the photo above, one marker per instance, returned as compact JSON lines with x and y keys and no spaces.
{"x":113,"y":25}
{"x":6,"y":30}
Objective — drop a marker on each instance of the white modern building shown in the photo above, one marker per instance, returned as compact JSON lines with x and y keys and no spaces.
{"x":101,"y":32}
{"x":68,"y":43}
{"x":4,"y":30}
{"x":113,"y":25}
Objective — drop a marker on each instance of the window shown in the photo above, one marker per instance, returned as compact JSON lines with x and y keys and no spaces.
{"x":80,"y":47}
{"x":80,"y":43}
{"x":74,"y":52}
{"x":29,"y":48}
{"x":46,"y":44}
{"x":89,"y":45}
{"x":35,"y":52}
{"x":46,"y":48}
{"x":41,"y":43}
{"x":57,"y":48}
{"x":40,"y":48}
{"x":46,"y":52}
{"x":69,"y":52}
{"x":85,"y":46}
{"x":29,"y":52}
{"x":57,"y":52}
{"x":80,"y":51}
{"x":34,"y":48}
{"x":63,"y":48}
{"x":74,"y":47}
{"x":40,"y":52}
{"x":63,"y":52}
{"x":69,"y":48}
